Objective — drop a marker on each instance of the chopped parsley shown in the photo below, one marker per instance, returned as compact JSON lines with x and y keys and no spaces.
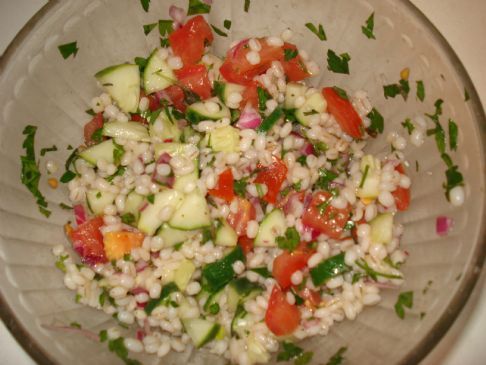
{"x":420,"y":90}
{"x":90,"y":112}
{"x":405,"y":299}
{"x":119,"y":172}
{"x":349,"y":225}
{"x":118,"y":347}
{"x":151,"y":198}
{"x":294,"y":352}
{"x":453,"y":178}
{"x":77,"y":298}
{"x":364,"y":176}
{"x":373,"y":274}
{"x":60,"y":263}
{"x":30,"y":174}
{"x":342,"y":93}
{"x":438,"y":110}
{"x":427,"y":287}
{"x":75,"y":325}
{"x":302,"y":160}
{"x":97,"y":135}
{"x":145,"y":4}
{"x":263,"y":97}
{"x":439,"y":134}
{"x":48,"y":149}
{"x":164,"y":42}
{"x":466,"y":95}
{"x":65,"y":206}
{"x":103,"y":335}
{"x":401,"y":88}
{"x":219,"y":31}
{"x":377,"y":122}
{"x":118,"y":153}
{"x":453,"y":130}
{"x":318,"y":31}
{"x":323,"y":206}
{"x":408,"y":125}
{"x":262,"y":271}
{"x":246,"y":6}
{"x":337,"y":358}
{"x":319,"y":147}
{"x":325,"y":177}
{"x":290,"y":241}
{"x":147,"y":28}
{"x":227,"y":24}
{"x":239,"y":187}
{"x":338,"y":64}
{"x":417,"y":166}
{"x":165,"y":27}
{"x":368,"y":29}
{"x":259,"y":189}
{"x":198,"y":7}
{"x":68,"y":49}
{"x":290,"y":54}
{"x":128,"y":218}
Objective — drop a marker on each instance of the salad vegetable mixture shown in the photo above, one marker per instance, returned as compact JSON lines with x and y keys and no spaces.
{"x":222,"y":203}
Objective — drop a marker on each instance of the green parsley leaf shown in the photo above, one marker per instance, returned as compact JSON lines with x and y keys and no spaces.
{"x":377,"y":122}
{"x":118,"y":153}
{"x":289,"y":351}
{"x":290,"y":54}
{"x":207,"y":235}
{"x":417,"y":166}
{"x":145,"y":4}
{"x":98,"y":195}
{"x":302,"y":160}
{"x":325,"y":177}
{"x":151,"y":198}
{"x":373,"y":274}
{"x":453,"y":178}
{"x":405,"y":299}
{"x":239,"y":187}
{"x":337,"y":358}
{"x":439,"y":134}
{"x":166,"y":27}
{"x":391,"y":90}
{"x":365,"y":174}
{"x":404,"y":88}
{"x":48,"y":149}
{"x":368,"y":29}
{"x":128,"y":218}
{"x":453,"y":130}
{"x":420,"y":90}
{"x":89,"y":112}
{"x":349,"y":225}
{"x":318,"y":31}
{"x":323,"y":206}
{"x":75,"y":325}
{"x":341,"y":92}
{"x":141,"y":63}
{"x":408,"y":125}
{"x":263,"y":97}
{"x":338,"y":64}
{"x":77,"y":298}
{"x":119,"y":172}
{"x":60,"y":263}
{"x":319,"y":147}
{"x":127,"y":257}
{"x":259,"y":189}
{"x":466,"y":95}
{"x":290,"y":241}
{"x":147,"y":28}
{"x":227,"y":24}
{"x":30,"y":174}
{"x":447,"y":159}
{"x":304,"y":359}
{"x":103,"y":335}
{"x":67,"y":177}
{"x":65,"y":206}
{"x":219,"y":31}
{"x":262,"y":271}
{"x":97,"y":135}
{"x":246,"y":6}
{"x":438,"y":110}
{"x":68,"y":49}
{"x":198,"y":7}
{"x":118,"y":347}
{"x":164,"y":42}
{"x":214,"y":308}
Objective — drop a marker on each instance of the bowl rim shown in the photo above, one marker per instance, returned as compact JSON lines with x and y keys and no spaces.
{"x":468,"y":282}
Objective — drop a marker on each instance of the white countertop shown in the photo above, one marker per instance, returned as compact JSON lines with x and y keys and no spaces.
{"x":462,"y":24}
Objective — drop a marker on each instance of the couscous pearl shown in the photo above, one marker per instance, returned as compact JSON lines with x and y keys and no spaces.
{"x":193,"y":288}
{"x":417,"y":137}
{"x":163,"y":349}
{"x":457,"y":196}
{"x":253,"y":57}
{"x":125,"y":317}
{"x":175,"y":62}
{"x":239,"y":267}
{"x":290,"y":298}
{"x":386,"y":198}
{"x":287,"y":34}
{"x":113,"y":333}
{"x":274,"y":41}
{"x":315,"y":260}
{"x":133,"y":345}
{"x":296,"y":278}
{"x":211,"y":106}
{"x":252,"y":229}
{"x":51,"y":166}
{"x":163,"y":169}
{"x":399,"y":143}
{"x":254,"y":45}
{"x":405,"y":181}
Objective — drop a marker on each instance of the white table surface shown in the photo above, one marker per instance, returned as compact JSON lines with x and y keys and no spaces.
{"x":463,"y":25}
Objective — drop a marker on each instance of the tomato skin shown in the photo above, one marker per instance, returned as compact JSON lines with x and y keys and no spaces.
{"x":195,"y":78}
{"x":176,"y":96}
{"x":342,"y":109}
{"x":249,"y":96}
{"x":224,"y":188}
{"x":272,"y":176}
{"x":331,"y":222}
{"x":246,"y":244}
{"x":138,"y":118}
{"x":401,"y":195}
{"x":294,"y":68}
{"x":188,"y":42}
{"x":286,"y":264}
{"x":239,"y":220}
{"x":281,"y":317}
{"x":92,"y":126}
{"x":87,"y":241}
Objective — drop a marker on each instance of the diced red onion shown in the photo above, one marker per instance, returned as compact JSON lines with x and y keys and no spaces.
{"x":143,"y":206}
{"x":162,"y":94}
{"x":307,"y":149}
{"x":235,"y":48}
{"x":141,"y":265}
{"x":443,"y":225}
{"x":67,"y":329}
{"x":138,"y":290}
{"x":79,"y":214}
{"x":249,"y":119}
{"x":140,"y":334}
{"x":178,"y":15}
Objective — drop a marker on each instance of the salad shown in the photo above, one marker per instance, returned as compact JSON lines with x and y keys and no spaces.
{"x":222,"y":203}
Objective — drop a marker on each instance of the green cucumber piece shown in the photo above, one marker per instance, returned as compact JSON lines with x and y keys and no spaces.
{"x":225,"y":234}
{"x":219,"y":273}
{"x":98,"y":201}
{"x":328,"y":269}
{"x":172,"y":236}
{"x":200,"y":330}
{"x":167,"y":290}
{"x":170,"y":130}
{"x":133,"y":203}
{"x":133,"y":131}
{"x":315,"y":104}
{"x":224,"y":89}
{"x":224,"y":139}
{"x":292,"y":92}
{"x":197,"y":112}
{"x":157,"y":74}
{"x":240,"y":323}
{"x":181,"y":181}
{"x":241,"y":289}
{"x":272,"y":226}
{"x":150,"y":217}
{"x":102,"y":151}
{"x":183,"y":274}
{"x":382,"y":228}
{"x":192,"y":214}
{"x":122,"y":82}
{"x":213,"y":298}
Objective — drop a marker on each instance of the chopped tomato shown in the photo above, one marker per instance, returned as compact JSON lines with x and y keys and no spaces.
{"x":281,"y":317}
{"x":154,"y":102}
{"x":321,"y":216}
{"x":117,"y":244}
{"x":224,"y":189}
{"x":342,"y":109}
{"x":92,"y":126}
{"x":87,"y":241}
{"x":239,"y":220}
{"x":195,"y":78}
{"x":401,"y":195}
{"x":272,"y":176}
{"x":249,"y":96}
{"x":188,"y":42}
{"x":312,"y":298}
{"x":236,"y":67}
{"x":176,"y":97}
{"x":138,"y":118}
{"x":287,"y":263}
{"x":294,"y":68}
{"x":246,"y":244}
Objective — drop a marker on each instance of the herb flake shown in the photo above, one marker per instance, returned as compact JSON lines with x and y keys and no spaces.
{"x":368,"y":28}
{"x":246,"y":7}
{"x":68,"y":49}
{"x":227,"y":24}
{"x":198,"y":7}
{"x":420,"y":90}
{"x":48,"y":149}
{"x":338,"y":64}
{"x":318,"y":31}
{"x":404,"y":300}
{"x":219,"y":31}
{"x":166,"y":27}
{"x":377,"y":122}
{"x":145,"y":5}
{"x":337,"y":358}
{"x":147,"y":28}
{"x":453,"y":131}
{"x":290,"y":54}
{"x":290,"y":241}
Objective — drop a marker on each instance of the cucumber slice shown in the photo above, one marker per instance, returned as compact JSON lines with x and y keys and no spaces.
{"x":315,"y":104}
{"x":183,"y":274}
{"x":169,"y":129}
{"x":382,"y":228}
{"x":240,"y":324}
{"x":212,"y":299}
{"x":200,"y":330}
{"x":272,"y":226}
{"x":225,"y":234}
{"x":172,"y":236}
{"x":97,"y":200}
{"x":241,"y":289}
{"x":181,"y":181}
{"x":370,"y":184}
{"x":292,"y":92}
{"x":172,"y":148}
{"x":102,"y":151}
{"x":133,"y":204}
{"x":127,"y":130}
{"x":224,"y":139}
{"x":198,"y":111}
{"x":193,"y":213}
{"x":184,"y":308}
{"x":187,"y":133}
{"x":122,"y":82}
{"x":157,"y":74}
{"x":150,"y":217}
{"x":224,"y":89}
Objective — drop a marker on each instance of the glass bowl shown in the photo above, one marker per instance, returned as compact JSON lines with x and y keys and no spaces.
{"x":39,"y":87}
